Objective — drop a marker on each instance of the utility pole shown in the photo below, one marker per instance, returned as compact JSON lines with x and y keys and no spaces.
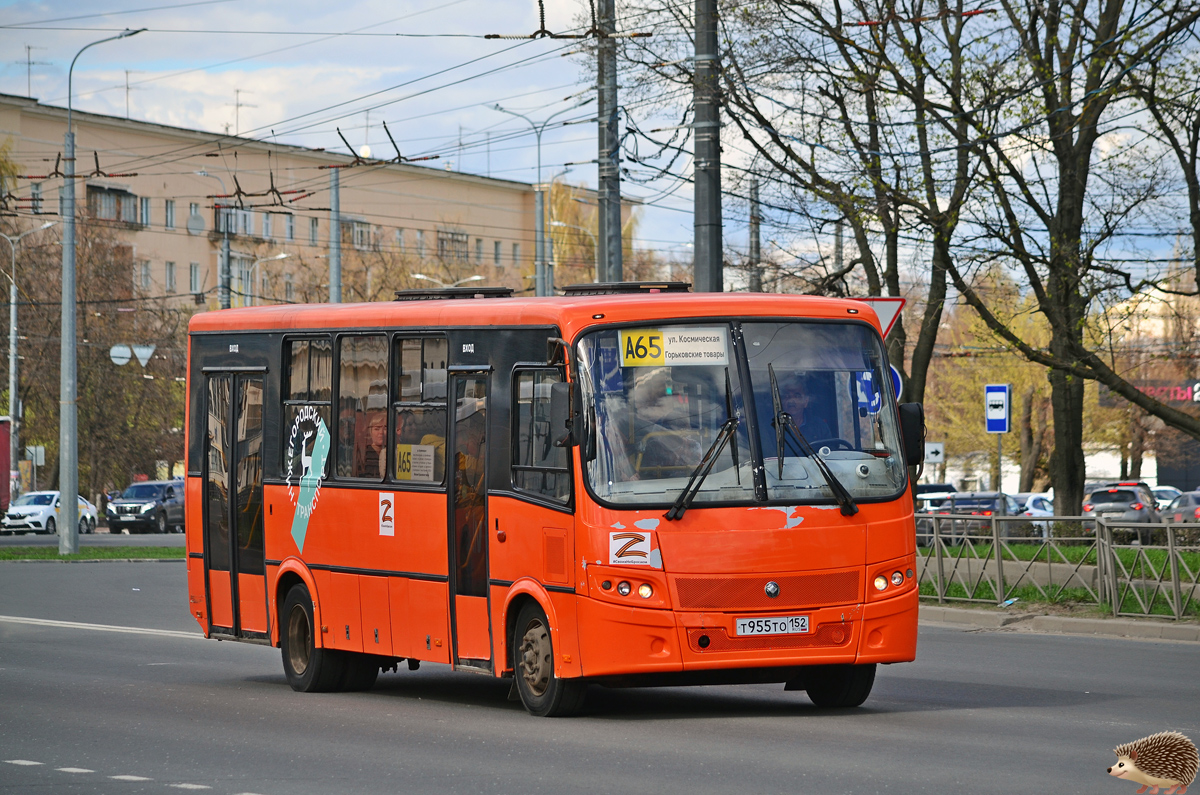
{"x":29,"y":64}
{"x":706,"y":135}
{"x":237,"y":110}
{"x":335,"y":237}
{"x":755,"y":239}
{"x":609,"y":160}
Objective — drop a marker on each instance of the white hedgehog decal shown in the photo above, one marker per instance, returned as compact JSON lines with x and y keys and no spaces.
{"x":1166,"y":759}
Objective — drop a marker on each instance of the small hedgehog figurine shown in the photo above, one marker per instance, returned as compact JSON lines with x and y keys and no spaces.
{"x":1166,"y":759}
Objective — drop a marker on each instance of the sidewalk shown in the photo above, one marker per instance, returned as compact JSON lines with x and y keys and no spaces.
{"x":1138,"y":629}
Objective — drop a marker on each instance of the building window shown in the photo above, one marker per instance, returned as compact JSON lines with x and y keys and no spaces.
{"x":452,"y":246}
{"x":145,"y":215}
{"x":400,"y":240}
{"x":35,"y":195}
{"x":479,"y":251}
{"x":496,"y":254}
{"x":516,"y":253}
{"x":362,"y":235}
{"x":289,"y":287}
{"x":420,"y":244}
{"x":194,"y":277}
{"x":312,"y":231}
{"x":144,"y":274}
{"x":289,"y":227}
{"x":266,"y":225}
{"x":170,"y":277}
{"x":169,"y":214}
{"x":108,"y":204}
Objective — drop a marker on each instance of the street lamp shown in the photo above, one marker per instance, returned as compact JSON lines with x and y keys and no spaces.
{"x":223,"y":263}
{"x":440,"y":283}
{"x":13,"y":408}
{"x":539,"y":228}
{"x":254,"y":271}
{"x":68,"y":440}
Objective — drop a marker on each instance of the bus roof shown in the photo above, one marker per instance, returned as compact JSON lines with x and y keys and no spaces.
{"x":571,"y":314}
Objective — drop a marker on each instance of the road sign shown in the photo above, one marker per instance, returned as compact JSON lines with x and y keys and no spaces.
{"x":888,"y":310}
{"x":897,"y":382}
{"x":935,"y":452}
{"x":997,"y":401}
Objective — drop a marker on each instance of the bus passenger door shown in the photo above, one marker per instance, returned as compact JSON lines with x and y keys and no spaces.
{"x":233,"y":507}
{"x":470,"y":626}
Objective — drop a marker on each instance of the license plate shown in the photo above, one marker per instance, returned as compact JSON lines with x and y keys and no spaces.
{"x":776,"y":625}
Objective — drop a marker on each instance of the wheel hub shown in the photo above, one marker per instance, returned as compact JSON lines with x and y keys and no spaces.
{"x":536,"y":658}
{"x":299,"y":640}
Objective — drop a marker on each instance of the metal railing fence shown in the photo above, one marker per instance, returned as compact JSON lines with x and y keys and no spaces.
{"x":1132,"y":569}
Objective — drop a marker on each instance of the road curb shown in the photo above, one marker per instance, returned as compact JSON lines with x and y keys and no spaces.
{"x":1148,"y":629}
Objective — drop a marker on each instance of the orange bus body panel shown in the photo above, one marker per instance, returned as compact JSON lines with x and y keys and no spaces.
{"x":471,"y":615}
{"x":220,"y":595}
{"x":376,"y":615}
{"x":252,"y":602}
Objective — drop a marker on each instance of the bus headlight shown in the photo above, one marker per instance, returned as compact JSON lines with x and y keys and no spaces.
{"x":897,"y":578}
{"x":623,"y":588}
{"x":880,"y":583}
{"x":645,"y":591}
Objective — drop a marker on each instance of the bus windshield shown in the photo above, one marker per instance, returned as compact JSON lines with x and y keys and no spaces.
{"x":659,"y":396}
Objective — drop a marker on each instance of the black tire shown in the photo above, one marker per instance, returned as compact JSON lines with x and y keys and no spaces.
{"x":91,"y":526}
{"x":543,"y":694}
{"x":831,"y":686}
{"x":160,"y":524}
{"x":361,"y":671}
{"x":83,"y":525}
{"x":308,"y":669}
{"x":51,"y":526}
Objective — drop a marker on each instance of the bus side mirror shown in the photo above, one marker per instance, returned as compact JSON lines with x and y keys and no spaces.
{"x":561,"y":422}
{"x":912,"y":431}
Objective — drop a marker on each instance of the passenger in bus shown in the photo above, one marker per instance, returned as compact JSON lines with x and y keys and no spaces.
{"x":370,"y":460}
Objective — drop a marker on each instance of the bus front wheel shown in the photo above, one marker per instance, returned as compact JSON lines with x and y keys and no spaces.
{"x":839,"y":685}
{"x":543,"y":694}
{"x":309,"y":669}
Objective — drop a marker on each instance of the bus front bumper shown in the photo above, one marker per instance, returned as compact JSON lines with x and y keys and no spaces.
{"x":617,"y":641}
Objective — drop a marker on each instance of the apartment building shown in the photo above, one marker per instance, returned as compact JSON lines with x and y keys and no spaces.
{"x":173,"y":194}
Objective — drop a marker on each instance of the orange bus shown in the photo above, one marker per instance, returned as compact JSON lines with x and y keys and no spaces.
{"x":628,"y":485}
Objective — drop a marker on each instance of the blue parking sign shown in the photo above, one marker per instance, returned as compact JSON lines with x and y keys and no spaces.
{"x":997,"y":411}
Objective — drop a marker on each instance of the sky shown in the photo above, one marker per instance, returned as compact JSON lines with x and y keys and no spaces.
{"x":295,"y":71}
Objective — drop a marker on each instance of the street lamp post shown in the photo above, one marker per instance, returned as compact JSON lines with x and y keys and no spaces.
{"x":223,"y":262}
{"x":440,"y":283}
{"x":539,"y":223}
{"x":13,"y":407}
{"x":254,"y":271}
{"x":68,"y":440}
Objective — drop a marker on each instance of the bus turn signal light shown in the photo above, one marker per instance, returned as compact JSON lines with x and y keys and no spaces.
{"x":897,"y":578}
{"x":623,"y":588}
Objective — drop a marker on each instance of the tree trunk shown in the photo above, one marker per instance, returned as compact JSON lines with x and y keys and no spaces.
{"x":1067,"y":472}
{"x":1137,"y":446}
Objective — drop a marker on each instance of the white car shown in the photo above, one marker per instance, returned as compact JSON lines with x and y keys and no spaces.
{"x":1037,"y":505}
{"x":37,"y":512}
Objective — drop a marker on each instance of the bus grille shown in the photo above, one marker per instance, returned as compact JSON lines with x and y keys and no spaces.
{"x":748,"y":593}
{"x":719,"y":640}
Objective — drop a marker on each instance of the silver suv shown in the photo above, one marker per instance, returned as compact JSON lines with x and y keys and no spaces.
{"x":1127,"y":502}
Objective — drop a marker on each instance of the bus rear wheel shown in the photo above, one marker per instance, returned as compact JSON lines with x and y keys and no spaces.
{"x":839,"y":685}
{"x":543,"y":694}
{"x":309,"y":669}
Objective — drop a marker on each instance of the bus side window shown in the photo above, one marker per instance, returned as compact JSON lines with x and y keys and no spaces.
{"x":362,"y":406}
{"x":307,"y":401}
{"x":537,"y":465}
{"x":419,"y":410}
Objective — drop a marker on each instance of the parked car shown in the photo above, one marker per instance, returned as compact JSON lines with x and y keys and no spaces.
{"x":1185,"y":508}
{"x":1165,"y":495}
{"x":928,"y":503}
{"x":1126,"y":503}
{"x":152,"y":506}
{"x":983,"y":504}
{"x":1034,"y":505}
{"x":38,"y":512}
{"x":935,"y":488}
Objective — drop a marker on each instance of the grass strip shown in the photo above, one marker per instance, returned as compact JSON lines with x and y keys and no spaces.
{"x":93,"y":553}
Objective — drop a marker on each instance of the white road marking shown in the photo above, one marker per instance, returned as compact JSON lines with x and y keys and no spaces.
{"x":20,"y":762}
{"x":74,"y":770}
{"x":130,"y":778}
{"x":189,"y":786}
{"x":47,"y":622}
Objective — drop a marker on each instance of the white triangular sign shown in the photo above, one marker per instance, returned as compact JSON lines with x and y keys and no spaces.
{"x":143,"y":353}
{"x":888,"y":310}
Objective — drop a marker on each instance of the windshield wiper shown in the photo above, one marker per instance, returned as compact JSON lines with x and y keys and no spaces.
{"x":684,"y":500}
{"x":784,"y":423}
{"x":724,"y":435}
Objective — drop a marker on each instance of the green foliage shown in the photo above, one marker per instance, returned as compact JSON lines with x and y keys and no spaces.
{"x":93,"y":553}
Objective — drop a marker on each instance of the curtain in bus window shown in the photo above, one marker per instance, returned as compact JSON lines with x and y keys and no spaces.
{"x":216,"y":484}
{"x":437,"y":352}
{"x":362,"y":407}
{"x":538,"y":465}
{"x":249,"y":477}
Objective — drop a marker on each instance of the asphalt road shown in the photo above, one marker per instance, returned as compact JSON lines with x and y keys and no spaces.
{"x":124,"y":712}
